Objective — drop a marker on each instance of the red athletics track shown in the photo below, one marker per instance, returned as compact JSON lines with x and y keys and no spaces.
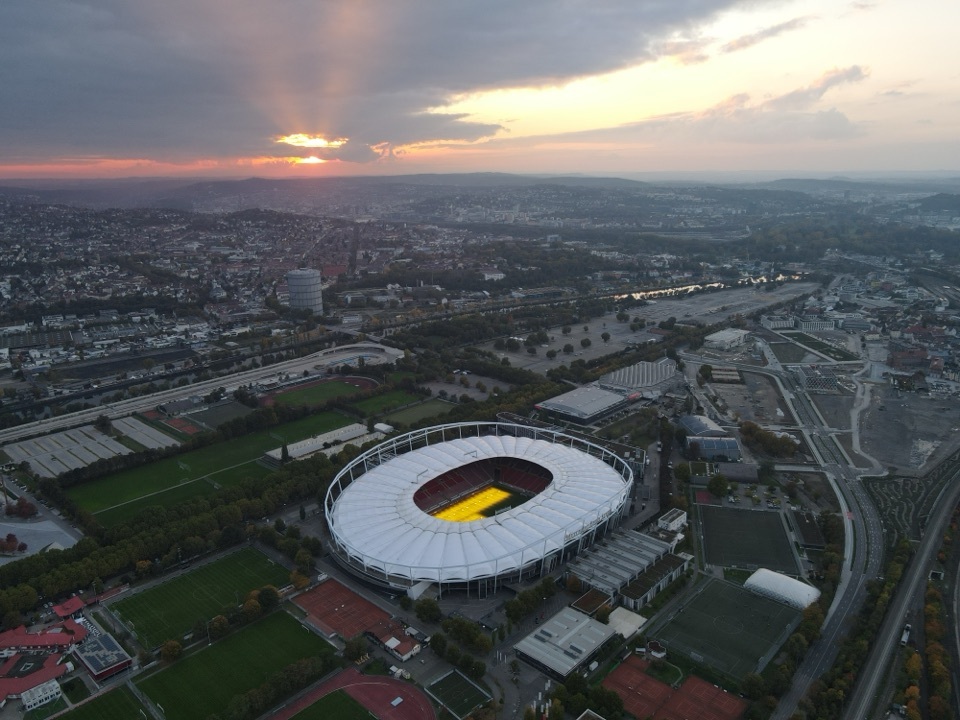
{"x":644,"y":696}
{"x":376,"y":693}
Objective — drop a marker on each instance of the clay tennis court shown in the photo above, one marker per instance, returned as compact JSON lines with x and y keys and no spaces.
{"x":644,"y":696}
{"x":376,"y":693}
{"x":335,"y":608}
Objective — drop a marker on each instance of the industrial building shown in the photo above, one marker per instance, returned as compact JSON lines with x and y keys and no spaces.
{"x":305,"y":287}
{"x":564,"y":643}
{"x":585,"y":405}
{"x":645,"y":379}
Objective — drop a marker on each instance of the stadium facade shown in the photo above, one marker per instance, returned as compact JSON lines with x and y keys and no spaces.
{"x":381,"y":509}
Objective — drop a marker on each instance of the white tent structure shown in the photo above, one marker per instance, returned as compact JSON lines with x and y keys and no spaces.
{"x":380,"y":532}
{"x":782,"y":588}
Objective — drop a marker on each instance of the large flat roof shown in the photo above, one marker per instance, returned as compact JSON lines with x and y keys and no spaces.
{"x":565,"y":641}
{"x":583,"y":403}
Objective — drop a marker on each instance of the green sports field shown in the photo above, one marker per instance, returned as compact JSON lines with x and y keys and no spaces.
{"x":336,"y":705}
{"x":427,"y":409}
{"x":119,"y":704}
{"x":224,"y":463}
{"x":204,"y":683}
{"x":316,"y":394}
{"x":458,"y":694}
{"x":729,"y":628}
{"x":387,"y":401}
{"x":169,"y":610}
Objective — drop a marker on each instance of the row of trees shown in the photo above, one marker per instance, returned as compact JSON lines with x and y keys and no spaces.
{"x":767,"y":442}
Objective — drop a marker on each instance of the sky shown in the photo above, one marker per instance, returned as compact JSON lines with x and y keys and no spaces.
{"x":302,"y":88}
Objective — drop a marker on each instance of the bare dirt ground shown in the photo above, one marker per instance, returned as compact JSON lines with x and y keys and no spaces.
{"x":911,"y":432}
{"x":757,"y":399}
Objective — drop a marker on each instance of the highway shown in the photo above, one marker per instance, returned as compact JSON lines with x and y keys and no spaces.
{"x":123,"y":408}
{"x":912,"y":586}
{"x":863,"y":535}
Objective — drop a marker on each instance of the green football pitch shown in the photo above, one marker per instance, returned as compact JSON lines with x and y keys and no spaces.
{"x":196,"y":472}
{"x":169,"y":610}
{"x":118,"y":704}
{"x":203,"y":683}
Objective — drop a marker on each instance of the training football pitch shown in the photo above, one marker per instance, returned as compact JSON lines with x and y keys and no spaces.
{"x":169,"y":610}
{"x":220,"y":464}
{"x":119,"y":704}
{"x":316,"y":393}
{"x":729,"y":628}
{"x":203,"y":683}
{"x":747,"y":539}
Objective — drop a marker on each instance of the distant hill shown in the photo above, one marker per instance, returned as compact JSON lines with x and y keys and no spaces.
{"x":941,"y":202}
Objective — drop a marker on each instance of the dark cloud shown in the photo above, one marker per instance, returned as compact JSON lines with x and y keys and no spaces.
{"x":178,"y":79}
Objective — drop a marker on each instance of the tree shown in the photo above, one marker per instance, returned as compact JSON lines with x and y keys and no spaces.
{"x":268,"y":597}
{"x":566,"y":329}
{"x":355,"y":648}
{"x":251,"y":610}
{"x":585,"y":343}
{"x":102,"y":423}
{"x":568,"y":348}
{"x":303,"y":512}
{"x":717,"y":485}
{"x":218,"y":627}
{"x":753,"y":686}
{"x":427,"y":610}
{"x":170,"y":650}
{"x":682,"y":472}
{"x":605,"y":336}
{"x":438,"y":642}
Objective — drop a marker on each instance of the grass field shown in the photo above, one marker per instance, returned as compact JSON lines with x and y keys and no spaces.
{"x":45,"y":711}
{"x":169,"y":610}
{"x":316,"y":394}
{"x":456,"y":693}
{"x":200,"y":685}
{"x":337,"y":705}
{"x":746,"y":538}
{"x":427,"y":409}
{"x":729,"y":628}
{"x":223,"y":463}
{"x":119,"y":704}
{"x":474,"y":506}
{"x":386,"y":402}
{"x":182,"y":493}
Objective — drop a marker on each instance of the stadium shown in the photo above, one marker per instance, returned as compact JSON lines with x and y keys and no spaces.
{"x":472,"y":506}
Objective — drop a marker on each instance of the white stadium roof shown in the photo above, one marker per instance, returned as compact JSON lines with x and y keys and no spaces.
{"x":782,"y":588}
{"x":376,"y":523}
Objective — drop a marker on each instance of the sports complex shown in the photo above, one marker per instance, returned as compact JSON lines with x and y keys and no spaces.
{"x":473,"y":505}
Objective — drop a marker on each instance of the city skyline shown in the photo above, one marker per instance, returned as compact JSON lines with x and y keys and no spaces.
{"x":306,"y":89}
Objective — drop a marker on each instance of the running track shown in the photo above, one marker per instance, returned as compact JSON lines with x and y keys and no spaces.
{"x":374,"y":692}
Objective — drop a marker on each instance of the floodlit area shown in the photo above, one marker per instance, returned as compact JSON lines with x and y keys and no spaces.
{"x":474,"y":506}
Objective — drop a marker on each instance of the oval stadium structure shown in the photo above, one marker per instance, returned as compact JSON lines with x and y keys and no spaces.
{"x":473,"y":505}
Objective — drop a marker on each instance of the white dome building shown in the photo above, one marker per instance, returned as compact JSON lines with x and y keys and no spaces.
{"x":382,"y":509}
{"x":782,"y":588}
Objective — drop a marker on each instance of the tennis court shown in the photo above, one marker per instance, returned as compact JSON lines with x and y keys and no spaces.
{"x":646,"y":697}
{"x":335,"y":608}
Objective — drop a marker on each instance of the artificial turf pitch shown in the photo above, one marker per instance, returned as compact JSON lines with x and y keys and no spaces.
{"x":729,"y":628}
{"x":456,"y":693}
{"x":169,"y":610}
{"x":203,"y":683}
